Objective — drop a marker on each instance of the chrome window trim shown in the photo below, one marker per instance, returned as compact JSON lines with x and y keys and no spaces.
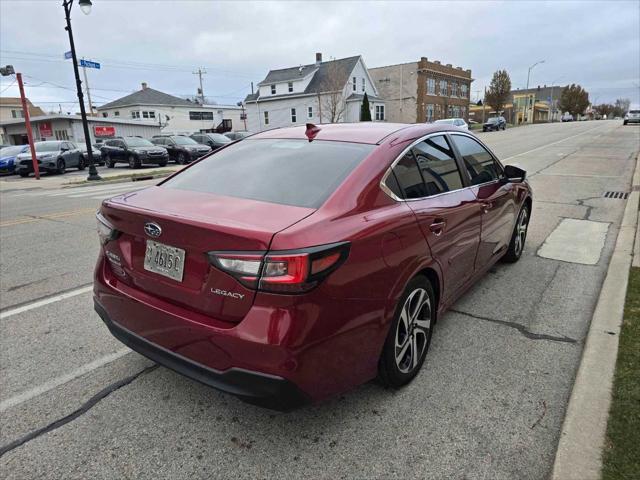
{"x":393,"y":196}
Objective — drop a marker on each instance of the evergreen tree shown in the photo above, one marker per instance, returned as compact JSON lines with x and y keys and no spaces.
{"x":365,"y":112}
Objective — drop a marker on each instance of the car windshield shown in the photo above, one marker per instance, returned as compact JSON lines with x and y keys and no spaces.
{"x":10,"y":151}
{"x":218,"y":138}
{"x":493,"y":120}
{"x":138,"y":142}
{"x":289,"y":172}
{"x":184,"y":141}
{"x":449,"y":121}
{"x":634,"y":111}
{"x":47,"y":146}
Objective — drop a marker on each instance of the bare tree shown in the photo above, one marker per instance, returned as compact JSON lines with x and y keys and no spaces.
{"x":499,"y":91}
{"x":332,"y":92}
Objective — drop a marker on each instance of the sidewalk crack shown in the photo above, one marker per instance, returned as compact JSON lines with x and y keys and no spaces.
{"x":520,"y":328}
{"x":84,"y":408}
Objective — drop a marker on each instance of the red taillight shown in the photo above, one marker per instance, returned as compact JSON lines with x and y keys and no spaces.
{"x":283,"y":272}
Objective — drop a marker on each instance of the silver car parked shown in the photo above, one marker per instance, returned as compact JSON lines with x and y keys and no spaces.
{"x":53,"y":157}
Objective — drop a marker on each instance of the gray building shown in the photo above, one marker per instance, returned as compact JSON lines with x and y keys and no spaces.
{"x":549,"y":95}
{"x":69,"y":127}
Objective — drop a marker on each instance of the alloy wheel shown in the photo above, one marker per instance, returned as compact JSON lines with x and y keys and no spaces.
{"x":412,"y":332}
{"x":521,"y":231}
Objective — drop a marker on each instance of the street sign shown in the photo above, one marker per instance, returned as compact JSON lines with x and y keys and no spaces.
{"x":67,"y":55}
{"x":89,"y":64}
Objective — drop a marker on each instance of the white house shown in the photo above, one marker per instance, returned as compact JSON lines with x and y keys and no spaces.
{"x":322,"y":92}
{"x":175,"y":115}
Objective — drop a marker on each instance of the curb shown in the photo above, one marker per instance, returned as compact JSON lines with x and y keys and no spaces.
{"x":579,"y":454}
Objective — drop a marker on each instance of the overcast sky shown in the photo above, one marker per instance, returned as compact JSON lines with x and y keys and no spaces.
{"x":595,"y":44}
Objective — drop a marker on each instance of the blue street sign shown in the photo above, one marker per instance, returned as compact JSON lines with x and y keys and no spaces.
{"x":67,"y":55}
{"x":89,"y":64}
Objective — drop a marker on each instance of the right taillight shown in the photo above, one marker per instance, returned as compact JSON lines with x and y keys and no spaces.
{"x":290,"y":271}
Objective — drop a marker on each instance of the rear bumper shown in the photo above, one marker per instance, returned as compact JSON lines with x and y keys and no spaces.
{"x":260,"y":389}
{"x":632,"y":120}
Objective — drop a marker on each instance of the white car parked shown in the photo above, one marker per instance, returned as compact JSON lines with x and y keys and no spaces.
{"x":458,"y":122}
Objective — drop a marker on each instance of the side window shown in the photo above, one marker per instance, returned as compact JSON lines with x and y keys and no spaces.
{"x":478,"y":161}
{"x":438,"y":165}
{"x":408,"y":177}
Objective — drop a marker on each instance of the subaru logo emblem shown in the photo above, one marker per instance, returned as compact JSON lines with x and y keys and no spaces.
{"x":152,"y":229}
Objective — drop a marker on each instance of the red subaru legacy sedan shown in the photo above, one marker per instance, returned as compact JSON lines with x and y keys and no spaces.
{"x":299,"y":262}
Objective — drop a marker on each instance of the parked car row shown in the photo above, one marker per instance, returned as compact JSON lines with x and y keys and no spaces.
{"x":56,"y":156}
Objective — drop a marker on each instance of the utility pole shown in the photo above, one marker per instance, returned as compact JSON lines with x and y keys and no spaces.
{"x":201,"y":72}
{"x":484,"y":99}
{"x":27,"y":121}
{"x":86,"y":86}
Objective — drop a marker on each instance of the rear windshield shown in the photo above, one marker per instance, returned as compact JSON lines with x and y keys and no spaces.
{"x":289,"y":172}
{"x":184,"y":140}
{"x":9,"y":151}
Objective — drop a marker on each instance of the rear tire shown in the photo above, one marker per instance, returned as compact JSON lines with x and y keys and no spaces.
{"x":409,"y":336}
{"x":162,"y":164}
{"x":519,"y":236}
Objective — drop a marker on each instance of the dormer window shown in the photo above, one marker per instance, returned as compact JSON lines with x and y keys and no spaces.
{"x":290,"y":87}
{"x":273,"y":89}
{"x":355,"y":84}
{"x":363,"y":85}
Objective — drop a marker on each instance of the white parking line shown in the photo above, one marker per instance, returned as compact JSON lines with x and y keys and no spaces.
{"x":56,"y":382}
{"x":46,"y":301}
{"x":549,"y":144}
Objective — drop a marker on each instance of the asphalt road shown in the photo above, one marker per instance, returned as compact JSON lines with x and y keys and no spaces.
{"x":488,"y":404}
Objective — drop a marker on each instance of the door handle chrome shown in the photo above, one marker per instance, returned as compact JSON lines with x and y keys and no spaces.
{"x":486,"y":206}
{"x":437,"y":227}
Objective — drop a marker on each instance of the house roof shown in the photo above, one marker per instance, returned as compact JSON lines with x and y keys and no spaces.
{"x":148,"y":96}
{"x":78,"y":118}
{"x":358,"y":96}
{"x":326,"y":74}
{"x":16,"y":102}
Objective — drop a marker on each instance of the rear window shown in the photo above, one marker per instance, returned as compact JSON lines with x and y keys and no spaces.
{"x":289,"y":172}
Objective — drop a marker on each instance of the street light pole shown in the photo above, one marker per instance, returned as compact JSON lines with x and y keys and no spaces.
{"x":527,"y":89}
{"x":85,"y":5}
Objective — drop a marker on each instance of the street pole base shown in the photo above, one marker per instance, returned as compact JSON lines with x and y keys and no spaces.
{"x":94,"y":176}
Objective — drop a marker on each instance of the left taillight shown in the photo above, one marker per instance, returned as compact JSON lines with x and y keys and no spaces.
{"x":290,"y":271}
{"x":106,"y":232}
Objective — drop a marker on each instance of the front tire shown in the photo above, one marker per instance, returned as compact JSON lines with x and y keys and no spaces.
{"x":181,"y":159}
{"x":81,"y":164}
{"x":519,"y":236}
{"x":409,"y":337}
{"x":109,"y":162}
{"x":61,"y":167}
{"x":134,"y":162}
{"x":23,"y":174}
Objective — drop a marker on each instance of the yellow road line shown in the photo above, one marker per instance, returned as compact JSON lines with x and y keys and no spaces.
{"x":49,"y":216}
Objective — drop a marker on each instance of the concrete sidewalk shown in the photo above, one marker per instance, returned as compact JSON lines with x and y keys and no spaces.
{"x":579,"y":455}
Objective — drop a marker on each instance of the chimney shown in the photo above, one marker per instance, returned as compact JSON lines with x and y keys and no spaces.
{"x":437,"y":62}
{"x":144,"y":85}
{"x":318,"y":58}
{"x":449,"y":65}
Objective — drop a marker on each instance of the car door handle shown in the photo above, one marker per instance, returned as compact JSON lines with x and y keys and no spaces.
{"x":486,"y":206}
{"x":437,"y":227}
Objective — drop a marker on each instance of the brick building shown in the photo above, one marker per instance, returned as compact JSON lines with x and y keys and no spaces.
{"x":423,"y":91}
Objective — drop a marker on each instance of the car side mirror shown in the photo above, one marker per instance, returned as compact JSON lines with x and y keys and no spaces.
{"x":514,"y":174}
{"x":64,"y":149}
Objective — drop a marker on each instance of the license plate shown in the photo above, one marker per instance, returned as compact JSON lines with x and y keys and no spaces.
{"x":164,"y":260}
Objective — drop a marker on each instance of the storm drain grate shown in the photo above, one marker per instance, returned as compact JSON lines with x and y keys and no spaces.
{"x":617,"y":195}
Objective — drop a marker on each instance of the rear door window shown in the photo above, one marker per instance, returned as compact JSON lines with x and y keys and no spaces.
{"x":289,"y":172}
{"x":437,"y":164}
{"x":480,"y":164}
{"x":408,"y":177}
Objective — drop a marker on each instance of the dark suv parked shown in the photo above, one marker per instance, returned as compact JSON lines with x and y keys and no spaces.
{"x":132,"y":150}
{"x":214,"y":140}
{"x":181,"y":148}
{"x":494,"y":123}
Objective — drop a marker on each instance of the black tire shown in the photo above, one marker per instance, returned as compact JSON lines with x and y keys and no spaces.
{"x":108,"y":161}
{"x":181,"y":159}
{"x":23,"y":174}
{"x":61,"y":167}
{"x":82,"y":164}
{"x":624,"y":123}
{"x":399,"y":364}
{"x":519,"y":236}
{"x":162,"y":163}
{"x":134,"y":162}
{"x":504,"y":127}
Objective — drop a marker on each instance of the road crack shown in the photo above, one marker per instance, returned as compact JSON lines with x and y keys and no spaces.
{"x":84,"y":408}
{"x":520,"y":328}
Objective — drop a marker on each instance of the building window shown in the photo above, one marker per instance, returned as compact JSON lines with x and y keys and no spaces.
{"x":116,"y":113}
{"x":363,"y":84}
{"x":430,"y":110}
{"x":290,"y":87}
{"x":450,"y":111}
{"x":135,"y":114}
{"x":17,"y":113}
{"x":266,"y":118}
{"x":198,"y":115}
{"x":61,"y":135}
{"x":354,"y":81}
{"x":454,"y":89}
{"x":153,"y":115}
{"x":463,"y":90}
{"x":443,"y":88}
{"x":431,"y":86}
{"x":380,"y":112}
{"x":105,"y":114}
{"x":294,"y":117}
{"x":309,"y":112}
{"x":456,"y":111}
{"x":463,"y":112}
{"x":273,"y":89}
{"x":145,"y":114}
